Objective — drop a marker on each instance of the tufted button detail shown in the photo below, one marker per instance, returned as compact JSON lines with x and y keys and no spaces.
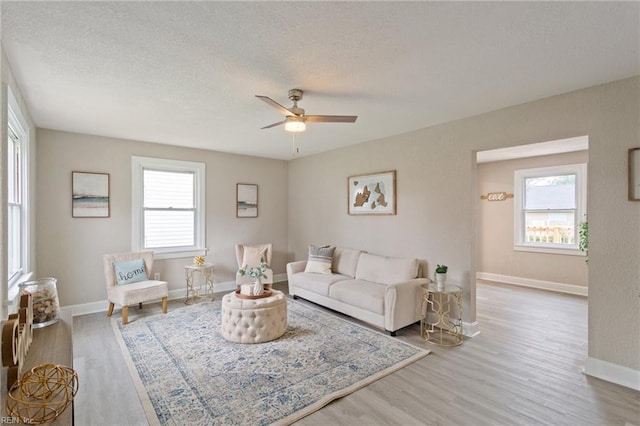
{"x":253,"y":321}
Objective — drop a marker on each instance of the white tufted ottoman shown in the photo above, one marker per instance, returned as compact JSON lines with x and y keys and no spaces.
{"x":253,"y":320}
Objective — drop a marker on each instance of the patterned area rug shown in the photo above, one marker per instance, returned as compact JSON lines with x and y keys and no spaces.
{"x":186,"y":373}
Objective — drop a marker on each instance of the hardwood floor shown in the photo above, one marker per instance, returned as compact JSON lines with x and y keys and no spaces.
{"x":525,"y":368}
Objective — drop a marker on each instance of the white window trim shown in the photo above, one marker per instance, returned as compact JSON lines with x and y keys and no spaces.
{"x":15,"y":117}
{"x":580,"y":170}
{"x":138,"y":164}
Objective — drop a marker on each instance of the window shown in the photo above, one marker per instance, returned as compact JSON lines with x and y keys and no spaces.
{"x":14,"y":198}
{"x":168,"y":207}
{"x":17,"y":198}
{"x":550,"y":204}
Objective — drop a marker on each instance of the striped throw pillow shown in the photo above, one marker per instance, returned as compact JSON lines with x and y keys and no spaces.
{"x":320,"y":259}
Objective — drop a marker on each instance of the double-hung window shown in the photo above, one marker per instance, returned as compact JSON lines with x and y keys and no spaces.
{"x":550,"y":203}
{"x":168,"y":207}
{"x":17,"y":198}
{"x":14,"y":198}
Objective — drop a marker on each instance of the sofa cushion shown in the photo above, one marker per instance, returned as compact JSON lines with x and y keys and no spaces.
{"x":386,"y":270}
{"x":345,"y":261}
{"x":316,"y":283}
{"x":319,"y":259}
{"x":360,"y":293}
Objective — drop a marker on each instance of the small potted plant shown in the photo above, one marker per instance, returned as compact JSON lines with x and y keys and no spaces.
{"x":583,"y":245}
{"x":256,"y":272}
{"x":441,"y":275}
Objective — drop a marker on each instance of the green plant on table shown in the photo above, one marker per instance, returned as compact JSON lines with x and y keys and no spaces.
{"x":441,"y":269}
{"x":583,"y":245}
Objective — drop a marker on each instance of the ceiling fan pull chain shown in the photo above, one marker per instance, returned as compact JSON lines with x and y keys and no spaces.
{"x":294,"y":147}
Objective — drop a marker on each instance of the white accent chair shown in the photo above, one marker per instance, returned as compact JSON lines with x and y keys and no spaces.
{"x":241,"y":258}
{"x":130,"y":294}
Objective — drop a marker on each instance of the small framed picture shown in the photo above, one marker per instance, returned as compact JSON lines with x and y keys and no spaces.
{"x":90,"y":194}
{"x":373,"y":194}
{"x":246,"y":200}
{"x":634,"y":174}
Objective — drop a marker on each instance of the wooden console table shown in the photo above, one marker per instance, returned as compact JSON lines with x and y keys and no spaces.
{"x":50,"y":345}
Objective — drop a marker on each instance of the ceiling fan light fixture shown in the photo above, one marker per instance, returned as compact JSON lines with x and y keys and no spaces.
{"x":295,"y":125}
{"x":295,"y":117}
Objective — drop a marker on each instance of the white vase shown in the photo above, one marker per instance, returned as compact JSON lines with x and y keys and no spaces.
{"x":258,"y":288}
{"x":440,"y":280}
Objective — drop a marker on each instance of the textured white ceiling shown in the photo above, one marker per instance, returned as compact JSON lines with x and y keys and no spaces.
{"x":185,"y":73}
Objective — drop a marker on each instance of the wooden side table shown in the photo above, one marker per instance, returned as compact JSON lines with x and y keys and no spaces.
{"x":441,"y":320}
{"x":195,"y":289}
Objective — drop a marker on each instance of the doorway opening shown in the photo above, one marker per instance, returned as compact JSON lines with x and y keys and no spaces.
{"x":532,"y":243}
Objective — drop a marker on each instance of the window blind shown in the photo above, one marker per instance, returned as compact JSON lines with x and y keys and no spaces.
{"x":169,"y":210}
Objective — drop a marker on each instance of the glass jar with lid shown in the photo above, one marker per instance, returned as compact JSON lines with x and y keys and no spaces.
{"x":44,"y":295}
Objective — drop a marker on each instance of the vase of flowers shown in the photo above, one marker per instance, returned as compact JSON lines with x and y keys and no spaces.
{"x":256,"y":272}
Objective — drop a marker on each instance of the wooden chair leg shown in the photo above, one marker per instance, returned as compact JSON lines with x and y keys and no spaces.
{"x":140,"y":305}
{"x":164,"y":305}
{"x":110,"y":310}
{"x":125,"y":315}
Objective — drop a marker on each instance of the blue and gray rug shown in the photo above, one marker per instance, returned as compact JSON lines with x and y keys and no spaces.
{"x":186,"y":373}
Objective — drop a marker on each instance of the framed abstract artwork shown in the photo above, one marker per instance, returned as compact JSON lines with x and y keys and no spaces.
{"x":90,"y":194}
{"x":246,"y":200}
{"x":634,"y":174}
{"x":372,"y":194}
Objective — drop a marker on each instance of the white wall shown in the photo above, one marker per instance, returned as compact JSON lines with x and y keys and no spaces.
{"x":435,"y":195}
{"x":9,"y":82}
{"x":438,"y":200}
{"x":71,"y":249}
{"x":496,"y":227}
{"x":3,"y":187}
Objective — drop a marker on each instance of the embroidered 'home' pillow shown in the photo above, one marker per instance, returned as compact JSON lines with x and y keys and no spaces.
{"x":320,"y":259}
{"x":131,"y":271}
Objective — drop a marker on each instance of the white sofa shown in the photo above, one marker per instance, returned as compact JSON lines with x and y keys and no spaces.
{"x":382,"y":291}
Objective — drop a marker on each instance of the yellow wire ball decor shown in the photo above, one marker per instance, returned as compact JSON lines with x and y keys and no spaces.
{"x":198,"y":260}
{"x":42,"y":394}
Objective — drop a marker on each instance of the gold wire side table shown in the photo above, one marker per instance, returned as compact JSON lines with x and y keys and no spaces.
{"x":204,"y":288}
{"x":441,"y":320}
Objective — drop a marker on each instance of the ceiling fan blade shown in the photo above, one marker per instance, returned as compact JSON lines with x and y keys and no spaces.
{"x":274,"y":124}
{"x":331,"y":118}
{"x":276,"y":105}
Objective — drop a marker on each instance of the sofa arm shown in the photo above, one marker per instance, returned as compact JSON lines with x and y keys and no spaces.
{"x":295,"y":267}
{"x":402,"y":303}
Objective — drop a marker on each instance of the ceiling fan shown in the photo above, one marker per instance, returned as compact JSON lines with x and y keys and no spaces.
{"x":295,"y":117}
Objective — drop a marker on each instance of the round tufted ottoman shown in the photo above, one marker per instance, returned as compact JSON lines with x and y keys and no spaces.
{"x":253,"y":320}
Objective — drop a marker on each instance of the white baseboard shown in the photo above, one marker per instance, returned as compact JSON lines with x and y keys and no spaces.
{"x":470,"y":329}
{"x":618,"y":374}
{"x":101,"y":306}
{"x":528,"y":282}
